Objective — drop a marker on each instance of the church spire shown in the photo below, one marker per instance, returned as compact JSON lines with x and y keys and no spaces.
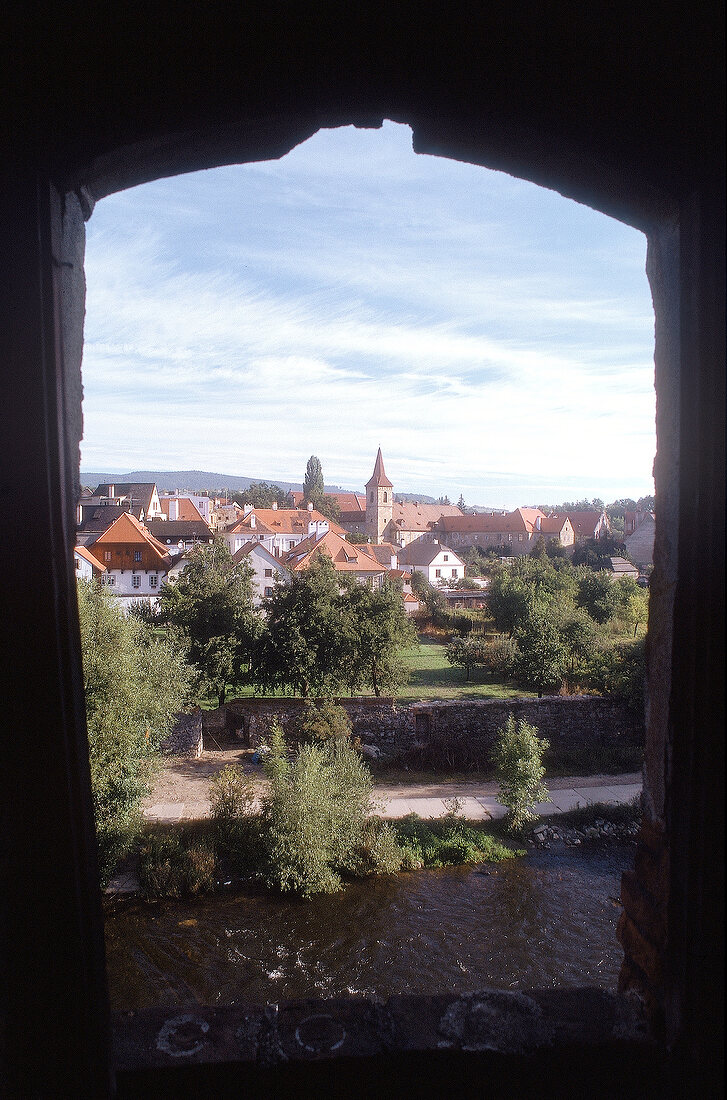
{"x":379,"y":478}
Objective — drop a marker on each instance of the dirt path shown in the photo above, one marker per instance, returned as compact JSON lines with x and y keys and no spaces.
{"x":182,"y":780}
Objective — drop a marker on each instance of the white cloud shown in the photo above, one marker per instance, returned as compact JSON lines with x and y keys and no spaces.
{"x":204,"y":352}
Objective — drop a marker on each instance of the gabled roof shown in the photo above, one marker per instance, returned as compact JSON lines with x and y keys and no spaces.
{"x":378,"y":477}
{"x":280,"y":521}
{"x":423,"y":552}
{"x":346,"y":501}
{"x":384,"y":552}
{"x":138,"y":492}
{"x":128,"y":530}
{"x":88,"y":556}
{"x":346,"y":557}
{"x":521,"y":521}
{"x":584,"y":523}
{"x":186,"y":510}
{"x":177,"y":529}
{"x":259,"y":551}
{"x":553,"y":525}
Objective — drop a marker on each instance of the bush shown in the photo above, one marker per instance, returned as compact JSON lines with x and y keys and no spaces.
{"x":315,"y":817}
{"x":517,"y":755}
{"x":323,"y":722}
{"x":232,"y":794}
{"x":170,"y":868}
{"x":232,"y":798}
{"x":446,"y":841}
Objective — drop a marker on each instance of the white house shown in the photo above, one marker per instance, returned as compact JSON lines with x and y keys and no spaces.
{"x":277,"y":529}
{"x":439,"y":564}
{"x":266,"y":569}
{"x":87,"y":566}
{"x":135,"y":563}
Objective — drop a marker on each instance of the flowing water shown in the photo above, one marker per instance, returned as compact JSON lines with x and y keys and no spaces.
{"x":545,"y":920}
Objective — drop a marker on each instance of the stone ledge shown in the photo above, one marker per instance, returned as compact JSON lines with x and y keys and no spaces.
{"x":492,"y":1021}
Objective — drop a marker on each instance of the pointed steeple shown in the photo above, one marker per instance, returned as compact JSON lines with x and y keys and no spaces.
{"x":379,"y":478}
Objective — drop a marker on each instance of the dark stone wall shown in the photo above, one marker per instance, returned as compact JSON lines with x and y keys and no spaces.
{"x":441,"y":733}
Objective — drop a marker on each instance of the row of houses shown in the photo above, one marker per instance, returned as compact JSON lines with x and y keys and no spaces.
{"x":134,"y":539}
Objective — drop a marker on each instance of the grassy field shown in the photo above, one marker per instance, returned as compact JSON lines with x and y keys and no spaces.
{"x":430,"y":677}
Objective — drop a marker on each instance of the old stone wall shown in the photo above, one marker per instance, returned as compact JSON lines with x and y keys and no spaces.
{"x":186,"y":737}
{"x":440,"y":733}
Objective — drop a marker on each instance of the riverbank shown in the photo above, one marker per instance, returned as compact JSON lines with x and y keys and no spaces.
{"x":181,"y":790}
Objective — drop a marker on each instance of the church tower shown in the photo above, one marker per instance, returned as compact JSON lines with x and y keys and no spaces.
{"x":379,"y":501}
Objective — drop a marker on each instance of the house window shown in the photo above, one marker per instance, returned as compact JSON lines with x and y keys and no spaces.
{"x":509,"y":538}
{"x":78,"y":563}
{"x":153,"y":580}
{"x":107,"y":555}
{"x":519,"y":538}
{"x":268,"y":591}
{"x":268,"y":572}
{"x":454,"y":572}
{"x":137,"y":555}
{"x":386,"y":497}
{"x":446,"y":557}
{"x":437,"y":572}
{"x":136,"y":581}
{"x":110,"y":579}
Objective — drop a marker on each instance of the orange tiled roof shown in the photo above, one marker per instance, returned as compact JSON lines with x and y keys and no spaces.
{"x":282,"y":521}
{"x":409,"y":515}
{"x":346,"y":557}
{"x":128,"y":529}
{"x":186,"y":509}
{"x":88,"y":556}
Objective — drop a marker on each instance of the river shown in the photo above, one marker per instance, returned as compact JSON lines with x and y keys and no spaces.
{"x":545,"y":920}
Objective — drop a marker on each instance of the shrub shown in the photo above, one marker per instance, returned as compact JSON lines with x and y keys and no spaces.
{"x":316,"y":817}
{"x":172,"y":865}
{"x":446,"y":841}
{"x":517,"y":755}
{"x":323,"y":722}
{"x":232,"y":794}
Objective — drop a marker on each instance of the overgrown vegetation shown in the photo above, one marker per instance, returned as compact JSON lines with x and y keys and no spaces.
{"x":135,"y":682}
{"x":316,"y":826}
{"x":518,"y":758}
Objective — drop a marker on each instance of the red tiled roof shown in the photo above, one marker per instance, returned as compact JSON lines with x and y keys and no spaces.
{"x":88,"y":556}
{"x":584,"y":523}
{"x":186,"y":510}
{"x":346,"y":557}
{"x":128,"y":529}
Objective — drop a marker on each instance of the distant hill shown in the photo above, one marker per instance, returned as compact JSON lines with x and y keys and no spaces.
{"x":194,"y":481}
{"x":199,"y":481}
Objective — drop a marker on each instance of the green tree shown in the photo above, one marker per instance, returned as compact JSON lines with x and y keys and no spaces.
{"x":461,"y":504}
{"x":262,"y":494}
{"x":542,"y":660}
{"x":210,"y":606}
{"x":313,"y":486}
{"x":597,"y":593}
{"x":377,"y":629}
{"x":518,"y":758}
{"x":467,"y":653}
{"x":135,"y":683}
{"x":301,"y":644}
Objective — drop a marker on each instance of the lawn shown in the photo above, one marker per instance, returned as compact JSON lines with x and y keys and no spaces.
{"x":430,"y":677}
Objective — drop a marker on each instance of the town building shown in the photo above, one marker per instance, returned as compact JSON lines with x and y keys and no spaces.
{"x":87,"y":566}
{"x":353,"y":560}
{"x":639,"y":532}
{"x":278,"y":529}
{"x":266,"y":569}
{"x":136,"y":564}
{"x":439,"y":564}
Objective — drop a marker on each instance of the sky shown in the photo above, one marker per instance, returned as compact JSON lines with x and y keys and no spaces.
{"x":495,"y":339}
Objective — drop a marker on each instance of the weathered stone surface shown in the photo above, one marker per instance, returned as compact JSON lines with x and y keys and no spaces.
{"x":452,"y":734}
{"x":185,"y":738}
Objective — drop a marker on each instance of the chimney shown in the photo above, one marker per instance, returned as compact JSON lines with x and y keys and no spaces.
{"x":275,"y":505}
{"x":247,"y":509}
{"x":173,"y":508}
{"x":310,"y":506}
{"x":537,"y":523}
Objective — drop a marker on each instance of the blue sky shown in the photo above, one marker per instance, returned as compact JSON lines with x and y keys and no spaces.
{"x":494,"y":338}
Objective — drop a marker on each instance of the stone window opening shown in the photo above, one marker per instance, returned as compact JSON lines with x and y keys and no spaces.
{"x":683,"y":771}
